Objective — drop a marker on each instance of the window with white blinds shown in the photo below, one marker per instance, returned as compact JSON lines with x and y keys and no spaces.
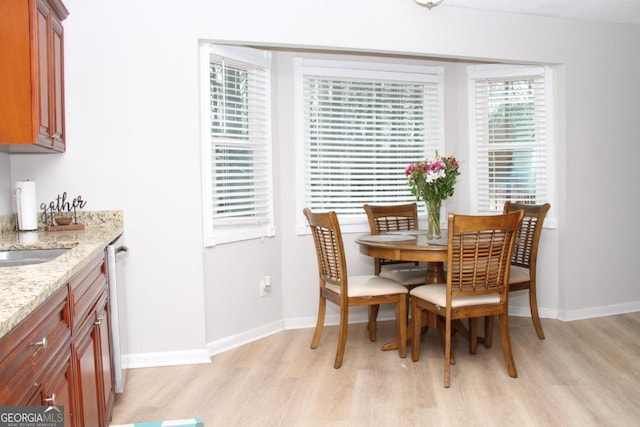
{"x":237,"y":143}
{"x":509,"y":130}
{"x":362,"y":125}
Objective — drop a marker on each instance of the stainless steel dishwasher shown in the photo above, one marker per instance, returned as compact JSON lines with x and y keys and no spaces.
{"x":116,"y":256}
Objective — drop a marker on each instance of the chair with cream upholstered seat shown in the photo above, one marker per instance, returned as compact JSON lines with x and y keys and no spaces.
{"x":386,"y":218}
{"x":478,"y":263}
{"x":525,"y":260}
{"x":525,"y":255}
{"x":348,"y":291}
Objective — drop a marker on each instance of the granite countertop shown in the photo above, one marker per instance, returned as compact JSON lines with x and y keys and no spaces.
{"x":24,"y":288}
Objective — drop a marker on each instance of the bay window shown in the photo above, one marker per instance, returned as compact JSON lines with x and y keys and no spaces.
{"x":236,"y":134}
{"x":359,"y":126}
{"x":510,"y":136}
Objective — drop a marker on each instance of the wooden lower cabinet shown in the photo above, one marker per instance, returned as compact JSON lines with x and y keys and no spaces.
{"x":57,"y":388}
{"x":86,"y":355}
{"x":61,"y":354}
{"x":91,"y":333}
{"x":93,"y":352}
{"x":61,"y":391}
{"x":108,"y":396}
{"x":28,"y":352}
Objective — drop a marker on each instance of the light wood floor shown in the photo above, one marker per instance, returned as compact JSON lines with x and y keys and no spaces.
{"x":586,"y":373}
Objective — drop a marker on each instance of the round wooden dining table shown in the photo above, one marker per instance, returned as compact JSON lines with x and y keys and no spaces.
{"x":408,"y":246}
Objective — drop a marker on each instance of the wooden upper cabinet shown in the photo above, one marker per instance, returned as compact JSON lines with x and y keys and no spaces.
{"x":32,"y":76}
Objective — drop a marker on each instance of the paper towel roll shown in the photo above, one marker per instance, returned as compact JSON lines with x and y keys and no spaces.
{"x":26,"y":209}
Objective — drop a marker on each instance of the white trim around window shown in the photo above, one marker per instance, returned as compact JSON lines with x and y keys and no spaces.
{"x":511,"y":136}
{"x":358,"y":125}
{"x":236,"y":143}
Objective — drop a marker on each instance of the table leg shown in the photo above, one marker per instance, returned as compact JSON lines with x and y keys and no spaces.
{"x":435,"y":273}
{"x":428,"y":321}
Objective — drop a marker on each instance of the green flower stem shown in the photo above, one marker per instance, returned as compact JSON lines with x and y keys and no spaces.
{"x":433,"y":218}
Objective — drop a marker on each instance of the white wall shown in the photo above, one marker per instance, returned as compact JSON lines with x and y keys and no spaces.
{"x":6,"y":186}
{"x":133,"y":144}
{"x":602,"y":90}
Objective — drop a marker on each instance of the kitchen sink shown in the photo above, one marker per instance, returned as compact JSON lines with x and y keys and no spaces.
{"x":18,"y":257}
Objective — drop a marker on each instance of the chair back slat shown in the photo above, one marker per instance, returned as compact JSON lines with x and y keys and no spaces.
{"x":327,"y":237}
{"x":479,"y":253}
{"x":392,"y":218}
{"x":525,"y":249}
{"x":385,"y":218}
{"x":394,"y":223}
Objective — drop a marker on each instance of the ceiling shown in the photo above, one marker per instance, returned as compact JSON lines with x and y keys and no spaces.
{"x":613,"y":11}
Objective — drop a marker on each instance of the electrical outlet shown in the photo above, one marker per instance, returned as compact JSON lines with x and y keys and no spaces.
{"x":265,"y":286}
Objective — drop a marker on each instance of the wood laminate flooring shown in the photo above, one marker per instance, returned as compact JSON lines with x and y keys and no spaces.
{"x":585,"y":373}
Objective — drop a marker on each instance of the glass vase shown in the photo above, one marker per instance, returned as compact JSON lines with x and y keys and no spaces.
{"x":433,"y":219}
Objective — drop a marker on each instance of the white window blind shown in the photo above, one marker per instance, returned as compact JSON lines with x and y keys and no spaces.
{"x":509,"y":136}
{"x":362,"y":128}
{"x":237,"y":124}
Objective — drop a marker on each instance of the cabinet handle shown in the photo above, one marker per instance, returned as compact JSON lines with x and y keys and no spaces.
{"x":44,"y":343}
{"x":99,"y":320}
{"x":51,"y":399}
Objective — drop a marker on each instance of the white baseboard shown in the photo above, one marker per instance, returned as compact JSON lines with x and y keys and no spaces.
{"x":602,"y":311}
{"x":233,"y":341}
{"x":583,"y":313}
{"x":544,"y":313}
{"x":165,"y":358}
{"x":330,"y":320}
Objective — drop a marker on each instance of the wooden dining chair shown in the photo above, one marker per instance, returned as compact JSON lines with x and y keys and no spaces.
{"x":524,"y":261}
{"x":525,"y":255}
{"x":478,"y":264}
{"x":385,"y":218}
{"x":348,"y":291}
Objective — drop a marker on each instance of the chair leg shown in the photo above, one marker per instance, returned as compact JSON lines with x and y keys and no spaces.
{"x":322,"y":308}
{"x":506,"y":345}
{"x":447,"y":352}
{"x":416,"y":316}
{"x":533,"y":303}
{"x":342,"y":336}
{"x":425,"y":322}
{"x":473,"y":335}
{"x":401,"y":319}
{"x":488,"y":331}
{"x":441,"y":333}
{"x":373,"y":322}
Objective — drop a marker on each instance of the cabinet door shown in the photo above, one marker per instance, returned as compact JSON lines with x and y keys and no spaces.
{"x":50,"y":94}
{"x":87,"y":381}
{"x":93,"y":349}
{"x":108,"y":392}
{"x":57,"y":90}
{"x":58,"y":388}
{"x":32,"y":76}
{"x":42,"y":72}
